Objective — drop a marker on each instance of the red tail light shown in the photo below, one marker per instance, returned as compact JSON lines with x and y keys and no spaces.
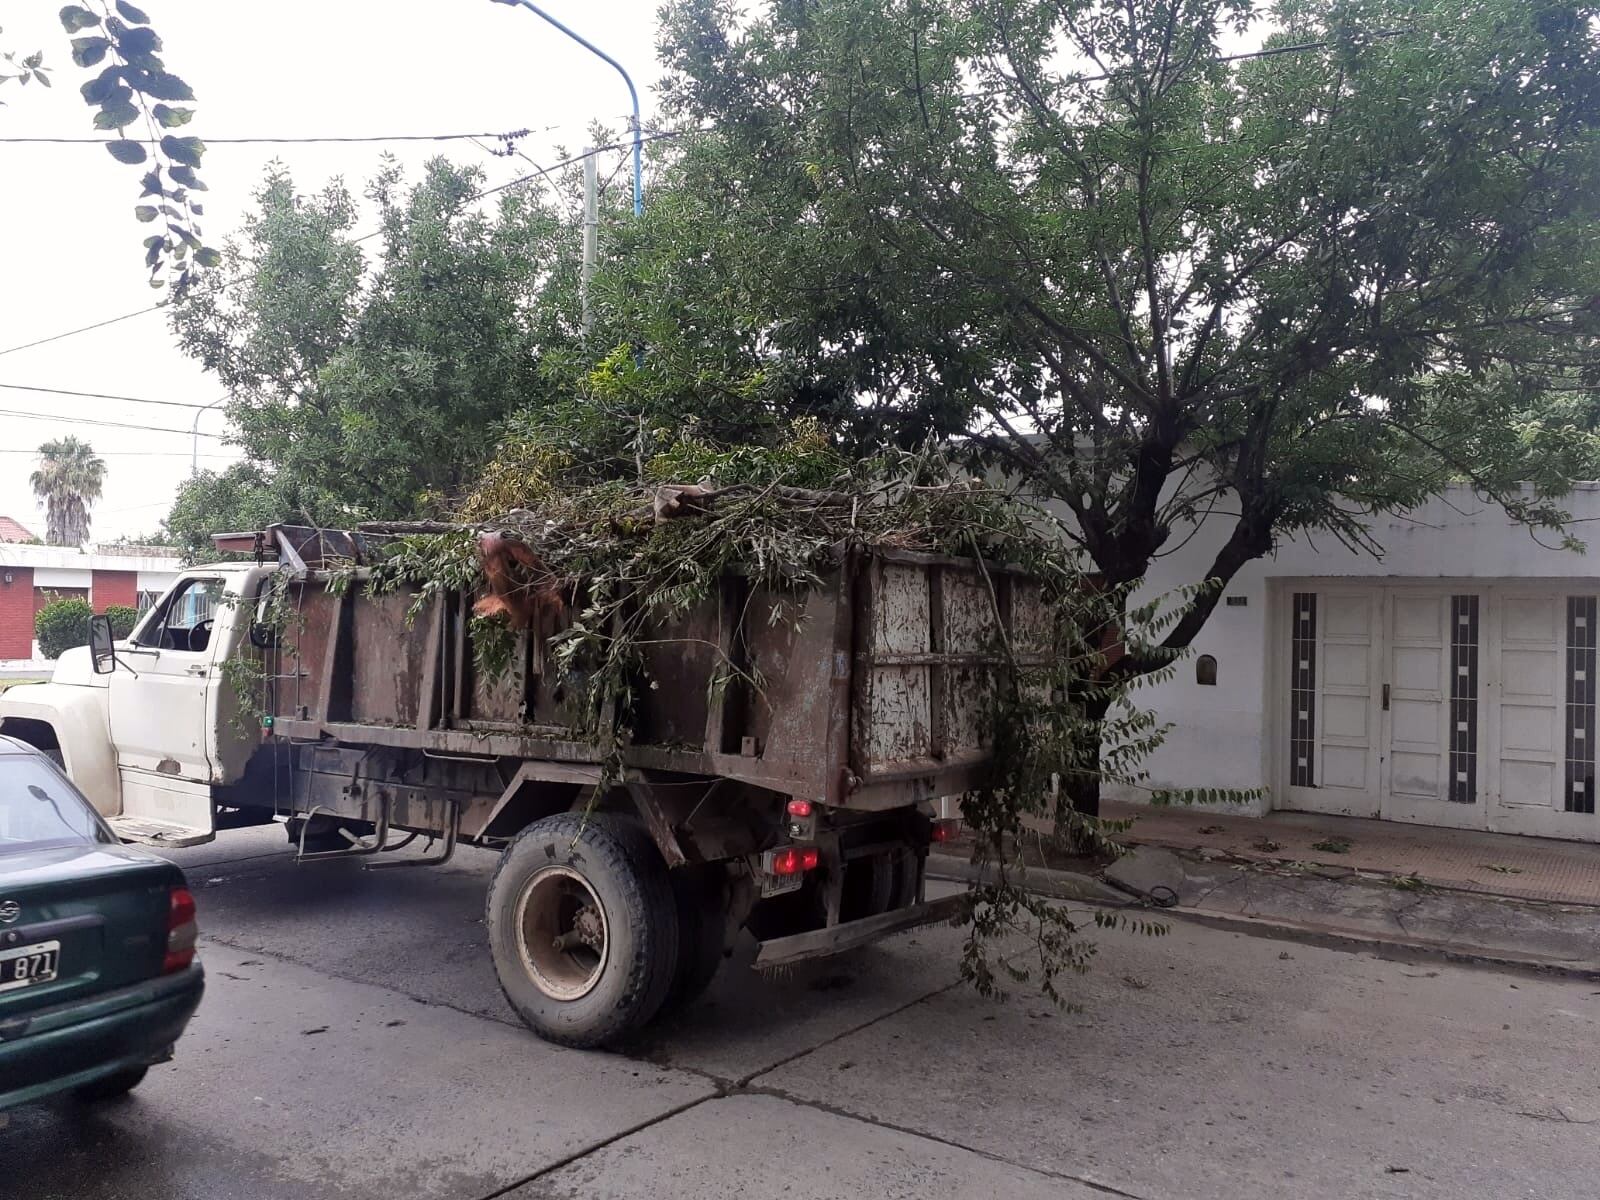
{"x":793,"y":860}
{"x":800,"y":808}
{"x":182,"y":931}
{"x":944,"y":831}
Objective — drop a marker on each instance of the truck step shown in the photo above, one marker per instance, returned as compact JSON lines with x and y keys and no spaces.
{"x":158,"y":833}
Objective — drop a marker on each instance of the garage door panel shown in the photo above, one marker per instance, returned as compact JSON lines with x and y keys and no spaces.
{"x":1417,"y":617}
{"x":1416,"y":722}
{"x":1528,"y":784}
{"x":1345,"y":767}
{"x":1347,"y":667}
{"x":1526,"y":673}
{"x":1528,"y":729}
{"x":1414,"y":774}
{"x":1344,"y":718}
{"x":1418,"y":668}
{"x":1346,"y":615}
{"x":1528,"y":619}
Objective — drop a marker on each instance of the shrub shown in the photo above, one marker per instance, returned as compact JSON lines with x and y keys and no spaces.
{"x":123,"y":618}
{"x":61,"y":625}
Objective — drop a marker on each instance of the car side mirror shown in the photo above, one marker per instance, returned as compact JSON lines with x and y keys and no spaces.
{"x":102,"y":645}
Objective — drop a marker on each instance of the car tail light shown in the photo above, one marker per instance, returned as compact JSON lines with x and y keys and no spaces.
{"x":793,"y":860}
{"x":800,"y":808}
{"x":944,"y":831}
{"x":182,"y":931}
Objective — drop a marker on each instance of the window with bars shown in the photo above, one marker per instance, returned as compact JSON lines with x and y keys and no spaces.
{"x":1303,"y":690}
{"x":1464,"y":699}
{"x":1580,"y":703}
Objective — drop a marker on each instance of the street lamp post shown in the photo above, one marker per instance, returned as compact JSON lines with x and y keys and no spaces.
{"x":633,"y":93}
{"x":194,"y":433}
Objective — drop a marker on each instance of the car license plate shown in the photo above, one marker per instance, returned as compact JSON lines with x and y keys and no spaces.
{"x":24,"y":966}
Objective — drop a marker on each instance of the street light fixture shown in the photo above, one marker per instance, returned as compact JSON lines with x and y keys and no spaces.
{"x":633,"y":93}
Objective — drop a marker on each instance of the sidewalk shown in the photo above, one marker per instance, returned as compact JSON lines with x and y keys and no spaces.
{"x":1466,"y":860}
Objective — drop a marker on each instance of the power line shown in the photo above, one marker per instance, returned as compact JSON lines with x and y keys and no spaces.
{"x":24,"y":387}
{"x":292,"y":141}
{"x":136,"y":454}
{"x":56,"y":337}
{"x":28,"y":416}
{"x":567,"y":162}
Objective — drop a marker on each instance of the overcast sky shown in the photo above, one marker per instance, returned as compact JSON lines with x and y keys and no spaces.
{"x":295,"y":68}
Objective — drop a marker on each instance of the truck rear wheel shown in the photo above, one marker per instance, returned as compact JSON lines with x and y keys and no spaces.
{"x":583,"y":928}
{"x":702,"y":930}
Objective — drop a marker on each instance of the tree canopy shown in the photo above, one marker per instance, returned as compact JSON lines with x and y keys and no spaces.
{"x":372,"y":387}
{"x":1156,"y":280}
{"x":67,"y":482}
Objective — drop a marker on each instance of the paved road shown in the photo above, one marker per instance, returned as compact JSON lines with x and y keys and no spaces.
{"x":353,"y":1044}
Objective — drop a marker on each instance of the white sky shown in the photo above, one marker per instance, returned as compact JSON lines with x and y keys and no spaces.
{"x":294,"y":68}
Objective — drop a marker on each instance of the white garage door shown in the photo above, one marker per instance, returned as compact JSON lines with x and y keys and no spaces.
{"x":1470,"y":705}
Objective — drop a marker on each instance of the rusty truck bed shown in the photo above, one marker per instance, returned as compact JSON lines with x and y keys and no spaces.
{"x":870,"y":692}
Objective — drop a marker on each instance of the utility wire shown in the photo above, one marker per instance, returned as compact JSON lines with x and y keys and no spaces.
{"x":137,"y":454}
{"x":24,"y":387}
{"x":28,"y":416}
{"x":508,"y":135}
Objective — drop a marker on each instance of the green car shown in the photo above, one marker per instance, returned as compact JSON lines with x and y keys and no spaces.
{"x":97,"y":943}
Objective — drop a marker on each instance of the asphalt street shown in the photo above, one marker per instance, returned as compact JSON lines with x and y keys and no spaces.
{"x":353,"y":1044}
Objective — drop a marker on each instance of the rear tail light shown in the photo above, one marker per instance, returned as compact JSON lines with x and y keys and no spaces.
{"x":793,"y":860}
{"x":182,"y":931}
{"x":945,"y":831}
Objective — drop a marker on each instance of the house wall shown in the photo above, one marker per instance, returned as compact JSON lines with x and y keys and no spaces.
{"x":1222,"y":736}
{"x":16,"y":612}
{"x":114,"y":587}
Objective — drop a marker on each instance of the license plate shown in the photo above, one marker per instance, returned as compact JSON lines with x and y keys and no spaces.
{"x":24,"y":966}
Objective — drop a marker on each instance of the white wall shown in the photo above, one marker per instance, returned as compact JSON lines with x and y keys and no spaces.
{"x":1221,"y":736}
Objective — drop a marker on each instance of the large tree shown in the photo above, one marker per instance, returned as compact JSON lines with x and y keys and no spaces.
{"x":1162,"y":260}
{"x":373,"y":387}
{"x":67,"y":482}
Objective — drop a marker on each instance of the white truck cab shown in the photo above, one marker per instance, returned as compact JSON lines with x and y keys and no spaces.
{"x":152,"y":740}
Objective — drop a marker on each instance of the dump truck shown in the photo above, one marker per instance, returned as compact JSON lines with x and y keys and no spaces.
{"x":785,"y":755}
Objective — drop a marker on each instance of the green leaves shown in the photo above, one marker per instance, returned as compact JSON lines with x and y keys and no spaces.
{"x":116,"y":115}
{"x":184,"y":150}
{"x":74,"y":17}
{"x":87,"y":51}
{"x":135,"y":84}
{"x":171,"y":118}
{"x":128,"y":152}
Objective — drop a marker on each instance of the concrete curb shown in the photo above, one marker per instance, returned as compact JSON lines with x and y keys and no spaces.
{"x":1071,"y":885}
{"x":1058,"y":885}
{"x":1337,"y":937}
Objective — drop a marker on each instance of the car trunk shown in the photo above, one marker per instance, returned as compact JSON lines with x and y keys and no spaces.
{"x":99,"y":909}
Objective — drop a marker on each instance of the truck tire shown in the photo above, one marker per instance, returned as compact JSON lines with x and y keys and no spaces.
{"x":583,"y":928}
{"x":702,"y":928}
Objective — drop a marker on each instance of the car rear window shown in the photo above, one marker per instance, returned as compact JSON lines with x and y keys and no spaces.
{"x":40,"y":808}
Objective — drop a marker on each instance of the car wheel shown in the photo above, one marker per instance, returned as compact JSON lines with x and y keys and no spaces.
{"x":109,"y":1087}
{"x":583,"y":928}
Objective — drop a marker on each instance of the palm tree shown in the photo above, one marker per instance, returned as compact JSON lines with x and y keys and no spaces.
{"x":67,"y":483}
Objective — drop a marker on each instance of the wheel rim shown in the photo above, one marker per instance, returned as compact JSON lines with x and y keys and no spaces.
{"x":562,"y":933}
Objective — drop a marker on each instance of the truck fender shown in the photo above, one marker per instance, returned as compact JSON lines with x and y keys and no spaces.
{"x":76,"y":719}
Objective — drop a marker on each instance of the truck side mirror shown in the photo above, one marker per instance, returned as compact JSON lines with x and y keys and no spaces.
{"x":102,"y":645}
{"x":263,"y":636}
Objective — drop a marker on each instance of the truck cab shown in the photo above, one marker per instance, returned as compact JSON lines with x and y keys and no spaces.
{"x":157,"y":733}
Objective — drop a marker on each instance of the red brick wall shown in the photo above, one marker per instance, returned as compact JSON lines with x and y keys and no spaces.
{"x":16,"y":612}
{"x":115,"y":587}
